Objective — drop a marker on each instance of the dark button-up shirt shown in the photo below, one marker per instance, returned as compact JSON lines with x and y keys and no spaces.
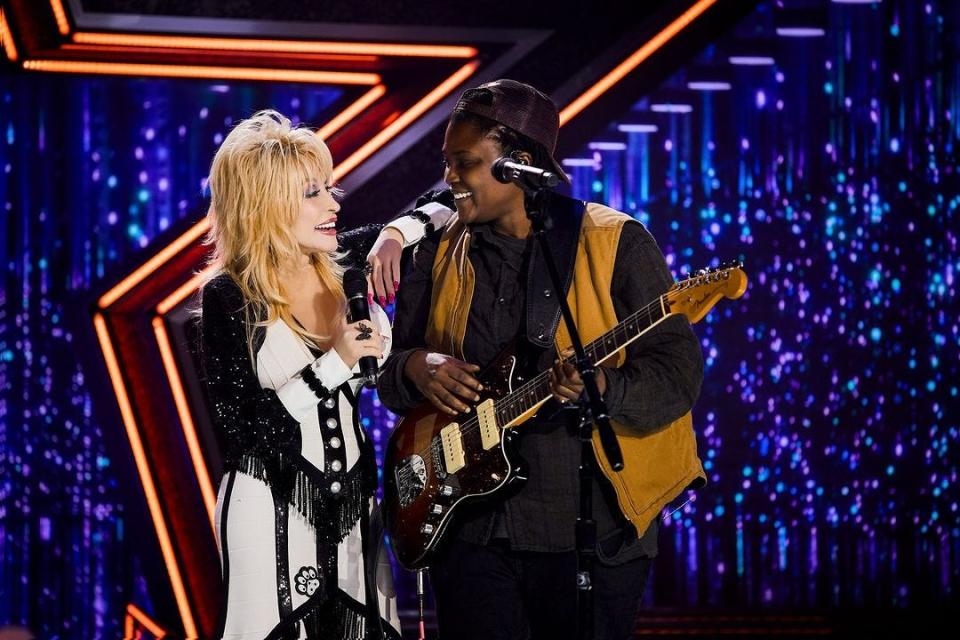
{"x":657,"y":384}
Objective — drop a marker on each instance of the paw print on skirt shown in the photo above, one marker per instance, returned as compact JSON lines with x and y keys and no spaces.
{"x":307,"y":581}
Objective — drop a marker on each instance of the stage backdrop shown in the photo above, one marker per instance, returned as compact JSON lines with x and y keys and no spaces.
{"x":829,"y":408}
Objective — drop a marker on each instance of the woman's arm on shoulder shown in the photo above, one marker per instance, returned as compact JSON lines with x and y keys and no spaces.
{"x":433,"y":211}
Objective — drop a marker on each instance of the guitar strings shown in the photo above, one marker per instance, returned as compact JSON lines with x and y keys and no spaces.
{"x":472,"y":424}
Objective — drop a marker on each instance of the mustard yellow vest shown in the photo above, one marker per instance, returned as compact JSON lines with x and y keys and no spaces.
{"x":657,"y":466}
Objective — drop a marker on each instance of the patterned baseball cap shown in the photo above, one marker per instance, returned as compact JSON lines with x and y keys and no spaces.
{"x":520,"y":107}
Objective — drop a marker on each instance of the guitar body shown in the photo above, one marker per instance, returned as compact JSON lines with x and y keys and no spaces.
{"x":422,"y":489}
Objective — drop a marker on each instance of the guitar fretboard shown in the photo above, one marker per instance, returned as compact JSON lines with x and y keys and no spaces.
{"x":537,"y":389}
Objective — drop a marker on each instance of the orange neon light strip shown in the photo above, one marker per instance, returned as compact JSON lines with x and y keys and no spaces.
{"x":352,"y":111}
{"x":221,"y":73}
{"x":146,"y":479}
{"x":317,"y":57}
{"x":631,"y":63}
{"x":183,"y":291}
{"x":61,"y":16}
{"x":135,"y":613}
{"x":425,"y":103}
{"x":7,"y":38}
{"x":151,"y":265}
{"x":281,"y":46}
{"x":189,"y":429}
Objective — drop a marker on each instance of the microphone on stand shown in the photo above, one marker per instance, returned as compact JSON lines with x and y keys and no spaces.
{"x":506,"y":170}
{"x":355,"y":289}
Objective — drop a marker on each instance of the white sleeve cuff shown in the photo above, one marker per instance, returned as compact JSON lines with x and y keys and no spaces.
{"x":331,"y":369}
{"x":413,"y":229}
{"x":297,"y":396}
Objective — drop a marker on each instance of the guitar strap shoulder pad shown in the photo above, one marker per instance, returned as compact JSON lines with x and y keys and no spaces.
{"x":543,"y":304}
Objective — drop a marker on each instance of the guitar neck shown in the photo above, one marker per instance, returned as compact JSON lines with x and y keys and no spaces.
{"x":536,"y":391}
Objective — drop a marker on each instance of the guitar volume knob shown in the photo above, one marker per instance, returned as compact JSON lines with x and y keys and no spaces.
{"x":427,"y":529}
{"x":436,"y":509}
{"x":447,"y":490}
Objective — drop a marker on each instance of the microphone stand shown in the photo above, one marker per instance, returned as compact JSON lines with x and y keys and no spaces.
{"x":592,"y":410}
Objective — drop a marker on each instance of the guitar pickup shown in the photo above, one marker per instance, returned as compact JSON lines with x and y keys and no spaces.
{"x":453,"y":457}
{"x":489,"y":429}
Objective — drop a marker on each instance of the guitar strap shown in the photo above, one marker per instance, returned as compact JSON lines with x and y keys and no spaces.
{"x":543,"y":304}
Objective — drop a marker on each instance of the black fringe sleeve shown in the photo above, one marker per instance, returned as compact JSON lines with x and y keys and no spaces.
{"x":250,"y":419}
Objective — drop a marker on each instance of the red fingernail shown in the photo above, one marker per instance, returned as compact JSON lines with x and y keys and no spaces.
{"x":369,"y":298}
{"x":391,"y":298}
{"x":396,"y":285}
{"x":383,"y":301}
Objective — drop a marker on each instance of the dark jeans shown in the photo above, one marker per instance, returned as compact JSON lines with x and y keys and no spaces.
{"x":492,"y":593}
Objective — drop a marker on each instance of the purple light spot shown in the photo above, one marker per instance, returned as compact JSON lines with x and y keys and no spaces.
{"x":44,"y":528}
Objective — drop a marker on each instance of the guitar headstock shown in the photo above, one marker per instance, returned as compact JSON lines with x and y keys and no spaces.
{"x":696,"y":295}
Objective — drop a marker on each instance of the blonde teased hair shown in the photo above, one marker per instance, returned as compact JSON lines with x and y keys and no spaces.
{"x":257,"y":183}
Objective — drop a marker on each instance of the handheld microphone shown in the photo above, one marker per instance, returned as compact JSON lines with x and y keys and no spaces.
{"x":355,"y":288}
{"x":506,"y":170}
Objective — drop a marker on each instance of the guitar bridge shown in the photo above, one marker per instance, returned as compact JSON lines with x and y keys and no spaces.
{"x":436,"y":452}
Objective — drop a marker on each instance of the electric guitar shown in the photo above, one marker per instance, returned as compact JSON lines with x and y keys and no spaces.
{"x":434,"y":462}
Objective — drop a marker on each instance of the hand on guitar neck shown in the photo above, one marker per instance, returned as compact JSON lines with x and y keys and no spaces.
{"x":565,"y":381}
{"x":446,"y":382}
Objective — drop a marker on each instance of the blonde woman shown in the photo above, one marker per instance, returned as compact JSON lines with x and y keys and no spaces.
{"x":298,"y":527}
